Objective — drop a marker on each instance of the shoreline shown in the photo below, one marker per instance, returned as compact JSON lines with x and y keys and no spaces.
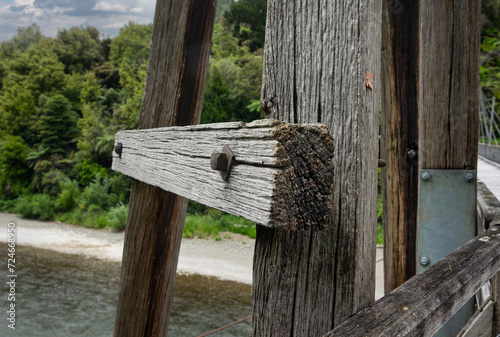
{"x":228,"y":259}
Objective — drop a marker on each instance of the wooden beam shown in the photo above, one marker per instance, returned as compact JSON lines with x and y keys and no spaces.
{"x":399,"y":139}
{"x":448,"y":82}
{"x":173,"y":95}
{"x":480,"y":325}
{"x":495,"y":296}
{"x":282,"y":176}
{"x":425,"y":302}
{"x":316,"y":60}
{"x":430,"y":107}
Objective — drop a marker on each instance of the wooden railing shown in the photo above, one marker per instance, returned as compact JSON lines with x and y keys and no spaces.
{"x":424,"y":303}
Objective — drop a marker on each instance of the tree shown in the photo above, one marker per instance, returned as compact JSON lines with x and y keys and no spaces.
{"x":217,"y":105}
{"x":58,"y":125}
{"x":79,"y":49}
{"x":249,"y":20}
{"x":25,"y":38}
{"x":15,"y":173}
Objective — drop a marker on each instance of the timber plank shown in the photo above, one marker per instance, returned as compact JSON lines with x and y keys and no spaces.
{"x":173,"y":95}
{"x":282,"y":176}
{"x":480,"y":325}
{"x":425,"y":302}
{"x":316,"y":58}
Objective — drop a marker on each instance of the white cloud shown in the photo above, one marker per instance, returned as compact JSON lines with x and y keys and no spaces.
{"x":53,"y":15}
{"x":109,"y":7}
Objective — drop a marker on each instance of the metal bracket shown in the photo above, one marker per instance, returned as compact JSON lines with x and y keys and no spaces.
{"x":446,"y":221}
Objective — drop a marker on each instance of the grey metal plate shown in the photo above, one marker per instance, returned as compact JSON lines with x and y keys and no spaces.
{"x":446,"y":221}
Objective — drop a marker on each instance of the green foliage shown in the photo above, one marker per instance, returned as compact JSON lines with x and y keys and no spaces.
{"x":249,"y":20}
{"x":38,"y":206}
{"x":132,"y":45}
{"x":25,"y":38}
{"x":97,"y":196}
{"x":66,"y":200}
{"x":491,"y":14}
{"x":117,"y":217}
{"x":212,"y":224}
{"x":57,"y":125}
{"x":217,"y":105}
{"x":14,"y":171}
{"x":78,"y":48}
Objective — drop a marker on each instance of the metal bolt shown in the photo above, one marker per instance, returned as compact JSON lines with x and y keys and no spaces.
{"x":119,"y":149}
{"x":426,"y":176}
{"x":381,"y":163}
{"x":412,"y":153}
{"x":424,"y":261}
{"x":218,"y":161}
{"x":469,"y":177}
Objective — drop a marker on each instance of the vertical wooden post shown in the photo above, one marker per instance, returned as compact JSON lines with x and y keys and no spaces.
{"x":399,"y":139}
{"x":432,"y":79}
{"x":173,"y":95}
{"x":316,"y":60}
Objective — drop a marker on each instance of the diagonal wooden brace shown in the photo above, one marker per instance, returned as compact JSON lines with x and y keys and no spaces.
{"x":282,"y":174}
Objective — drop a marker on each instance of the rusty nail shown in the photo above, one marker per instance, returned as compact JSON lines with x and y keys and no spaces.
{"x":118,"y":149}
{"x":381,"y":163}
{"x":218,"y":161}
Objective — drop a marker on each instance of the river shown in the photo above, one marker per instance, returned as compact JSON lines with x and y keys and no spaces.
{"x":72,"y":295}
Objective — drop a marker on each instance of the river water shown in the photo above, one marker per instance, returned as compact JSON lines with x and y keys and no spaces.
{"x":71,"y":295}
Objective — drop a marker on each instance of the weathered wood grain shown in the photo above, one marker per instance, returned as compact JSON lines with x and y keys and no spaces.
{"x":315,"y":63}
{"x":495,"y":296}
{"x":425,"y":302}
{"x":480,"y":325}
{"x":173,"y":95}
{"x":282,"y":175}
{"x":448,"y":81}
{"x":430,"y":105}
{"x":399,"y":139}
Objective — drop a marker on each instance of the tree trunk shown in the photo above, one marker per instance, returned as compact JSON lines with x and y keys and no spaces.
{"x":315,"y":66}
{"x":173,"y":95}
{"x":430,"y":105}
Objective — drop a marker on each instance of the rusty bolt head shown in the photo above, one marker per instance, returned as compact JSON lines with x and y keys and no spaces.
{"x":119,"y":149}
{"x":382,"y":163}
{"x":412,"y":153}
{"x":218,"y":161}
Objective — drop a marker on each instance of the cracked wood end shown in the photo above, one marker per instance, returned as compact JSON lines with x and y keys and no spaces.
{"x":282,"y":175}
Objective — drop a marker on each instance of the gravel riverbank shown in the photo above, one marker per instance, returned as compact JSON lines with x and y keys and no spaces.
{"x":229,"y":259}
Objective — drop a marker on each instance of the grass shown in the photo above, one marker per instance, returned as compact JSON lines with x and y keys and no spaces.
{"x":212,"y":224}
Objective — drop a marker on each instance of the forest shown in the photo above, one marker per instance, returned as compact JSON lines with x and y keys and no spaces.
{"x":63,"y":98}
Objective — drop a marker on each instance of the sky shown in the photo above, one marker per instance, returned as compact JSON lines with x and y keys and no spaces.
{"x":108,"y":16}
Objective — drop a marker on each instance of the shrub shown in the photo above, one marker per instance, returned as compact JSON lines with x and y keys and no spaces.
{"x":38,"y":206}
{"x":117,"y":217}
{"x":97,"y":194}
{"x":66,"y":200}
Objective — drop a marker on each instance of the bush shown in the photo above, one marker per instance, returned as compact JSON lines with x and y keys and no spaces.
{"x":38,"y":206}
{"x":117,"y":217}
{"x":97,"y":195}
{"x":66,"y":200}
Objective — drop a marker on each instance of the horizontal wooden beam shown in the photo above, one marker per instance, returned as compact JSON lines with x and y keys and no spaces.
{"x":282,"y":175}
{"x":424,"y":303}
